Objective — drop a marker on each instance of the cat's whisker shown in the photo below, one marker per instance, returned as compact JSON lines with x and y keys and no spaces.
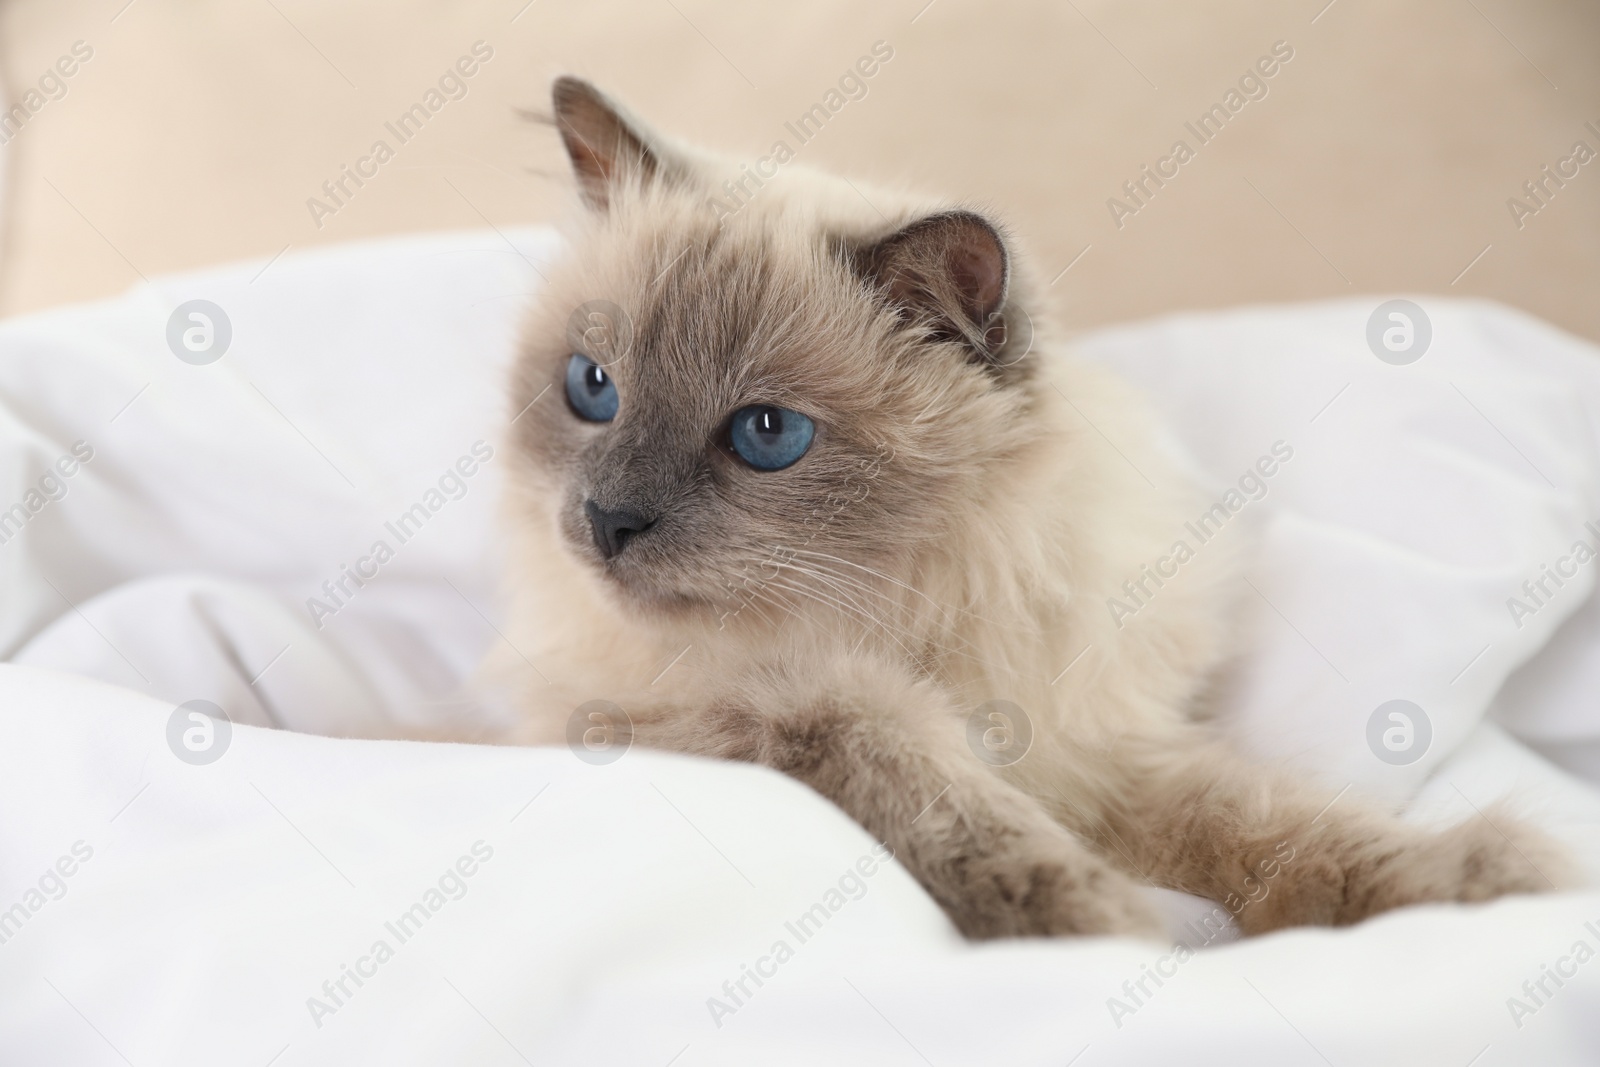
{"x":821,"y":597}
{"x":926,"y":641}
{"x":844,"y":594}
{"x":759,"y":599}
{"x":850,"y":593}
{"x":759,"y":605}
{"x":944,"y":612}
{"x":842,"y":583}
{"x":758,"y":588}
{"x":830,"y":558}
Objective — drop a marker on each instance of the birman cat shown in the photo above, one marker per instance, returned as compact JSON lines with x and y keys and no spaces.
{"x":814,"y":484}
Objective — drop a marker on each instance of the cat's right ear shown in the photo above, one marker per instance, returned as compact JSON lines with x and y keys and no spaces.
{"x":949,"y":273}
{"x":606,"y":146}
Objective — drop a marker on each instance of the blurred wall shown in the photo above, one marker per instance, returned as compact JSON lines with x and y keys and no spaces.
{"x":1382,"y":155}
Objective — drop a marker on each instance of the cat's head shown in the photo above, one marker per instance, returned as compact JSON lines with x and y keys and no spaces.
{"x":722,"y":409}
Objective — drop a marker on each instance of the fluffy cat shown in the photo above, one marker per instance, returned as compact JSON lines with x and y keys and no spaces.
{"x":828,"y":487}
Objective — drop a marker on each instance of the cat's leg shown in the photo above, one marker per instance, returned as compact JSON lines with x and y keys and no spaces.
{"x":1280,"y":851}
{"x":891,"y":753}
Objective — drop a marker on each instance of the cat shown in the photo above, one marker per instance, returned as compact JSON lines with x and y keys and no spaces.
{"x":819,"y":487}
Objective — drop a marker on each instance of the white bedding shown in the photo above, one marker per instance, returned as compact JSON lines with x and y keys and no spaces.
{"x":607,"y":905}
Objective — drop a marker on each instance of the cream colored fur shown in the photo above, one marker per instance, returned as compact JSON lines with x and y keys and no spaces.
{"x":968,"y":558}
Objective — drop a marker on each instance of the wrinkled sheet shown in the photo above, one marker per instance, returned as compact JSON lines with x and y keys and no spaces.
{"x":611,"y":912}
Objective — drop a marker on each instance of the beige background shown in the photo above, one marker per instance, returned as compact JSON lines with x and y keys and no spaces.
{"x":1381,"y":160}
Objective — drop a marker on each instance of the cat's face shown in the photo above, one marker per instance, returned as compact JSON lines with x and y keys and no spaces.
{"x":728,"y":414}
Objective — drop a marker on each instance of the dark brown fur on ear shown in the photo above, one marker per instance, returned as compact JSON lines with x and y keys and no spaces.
{"x":948,"y":272}
{"x":605,"y":146}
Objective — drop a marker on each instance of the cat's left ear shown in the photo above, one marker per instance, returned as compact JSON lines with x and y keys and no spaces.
{"x":607,"y":147}
{"x":950,"y":272}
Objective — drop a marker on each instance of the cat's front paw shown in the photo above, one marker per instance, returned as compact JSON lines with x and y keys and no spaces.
{"x":1478,"y":860}
{"x":1039,"y":897}
{"x":1488,"y":857}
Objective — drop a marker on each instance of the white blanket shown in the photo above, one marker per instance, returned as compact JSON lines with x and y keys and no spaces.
{"x":301,"y":899}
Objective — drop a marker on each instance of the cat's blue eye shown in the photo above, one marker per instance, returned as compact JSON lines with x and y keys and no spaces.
{"x":770,"y":438}
{"x":590,"y":390}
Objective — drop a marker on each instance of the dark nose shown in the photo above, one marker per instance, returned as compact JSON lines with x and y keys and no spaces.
{"x":613,"y":529}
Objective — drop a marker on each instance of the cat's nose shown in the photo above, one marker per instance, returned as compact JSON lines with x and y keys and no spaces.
{"x":613,"y":529}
